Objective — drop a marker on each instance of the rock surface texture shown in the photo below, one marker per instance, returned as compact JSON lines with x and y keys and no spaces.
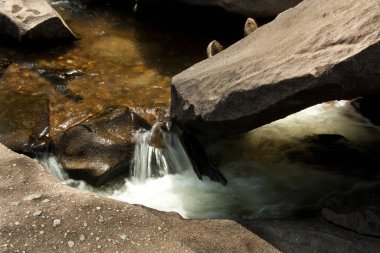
{"x":309,"y":54}
{"x":39,"y":214}
{"x":32,"y":21}
{"x":24,"y":122}
{"x":249,"y":8}
{"x":101,"y":148}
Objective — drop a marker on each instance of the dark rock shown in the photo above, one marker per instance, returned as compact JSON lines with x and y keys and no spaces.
{"x":4,"y":63}
{"x":312,"y":235}
{"x":357,"y":209}
{"x":368,"y":106}
{"x":24,"y":122}
{"x":248,"y":8}
{"x":59,"y":79}
{"x":307,"y":55}
{"x":336,"y":153}
{"x":100,"y":149}
{"x":32,"y":21}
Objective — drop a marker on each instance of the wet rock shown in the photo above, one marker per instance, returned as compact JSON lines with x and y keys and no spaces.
{"x":59,"y":78}
{"x":24,"y":122}
{"x":100,"y":149}
{"x":4,"y":63}
{"x":32,"y":21}
{"x":336,"y":153}
{"x":368,"y":107}
{"x":307,"y":55}
{"x":253,"y":8}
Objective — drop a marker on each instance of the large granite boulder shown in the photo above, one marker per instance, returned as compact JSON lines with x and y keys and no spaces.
{"x":309,"y":54}
{"x":32,"y":21}
{"x":249,"y":8}
{"x":100,"y":149}
{"x":24,"y":122}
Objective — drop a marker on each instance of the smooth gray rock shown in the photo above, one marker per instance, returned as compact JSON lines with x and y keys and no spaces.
{"x":307,"y":55}
{"x":248,"y":8}
{"x":32,"y":21}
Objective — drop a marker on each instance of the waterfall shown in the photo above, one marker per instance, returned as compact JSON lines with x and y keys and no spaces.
{"x":158,"y":153}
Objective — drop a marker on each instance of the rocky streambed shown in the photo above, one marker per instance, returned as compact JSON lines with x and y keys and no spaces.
{"x":84,"y":109}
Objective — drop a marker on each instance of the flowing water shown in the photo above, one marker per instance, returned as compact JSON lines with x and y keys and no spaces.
{"x":283,"y":169}
{"x":262,"y":180}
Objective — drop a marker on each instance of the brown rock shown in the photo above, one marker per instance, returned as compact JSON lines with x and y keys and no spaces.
{"x":70,"y":220}
{"x":24,"y":122}
{"x":32,"y":20}
{"x":100,"y":149}
{"x":308,"y":54}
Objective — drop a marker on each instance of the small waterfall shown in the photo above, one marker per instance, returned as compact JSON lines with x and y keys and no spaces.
{"x":158,"y":152}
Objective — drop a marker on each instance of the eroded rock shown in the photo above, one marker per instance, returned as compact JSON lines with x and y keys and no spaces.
{"x":24,"y":122}
{"x":307,"y":55}
{"x":32,"y":21}
{"x":99,"y":149}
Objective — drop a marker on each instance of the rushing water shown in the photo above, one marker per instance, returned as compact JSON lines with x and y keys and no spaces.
{"x":262,"y":180}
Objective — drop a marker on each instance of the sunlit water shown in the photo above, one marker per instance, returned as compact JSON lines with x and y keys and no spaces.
{"x":262,"y":181}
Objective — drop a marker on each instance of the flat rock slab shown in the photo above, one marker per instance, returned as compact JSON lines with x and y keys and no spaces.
{"x":309,"y":54}
{"x":40,"y":214}
{"x":32,"y":21}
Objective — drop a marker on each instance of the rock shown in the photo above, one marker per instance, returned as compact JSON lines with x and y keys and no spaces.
{"x":307,"y":55}
{"x":100,"y":149}
{"x":250,"y":26}
{"x":24,"y":122}
{"x":124,"y":227}
{"x":365,"y":222}
{"x":336,"y":153}
{"x":32,"y":21}
{"x":310,"y":235}
{"x":248,"y":8}
{"x":213,"y":48}
{"x":4,"y":63}
{"x":357,"y":209}
{"x":368,"y":107}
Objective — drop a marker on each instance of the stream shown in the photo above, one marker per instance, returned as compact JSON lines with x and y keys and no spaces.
{"x":289,"y":168}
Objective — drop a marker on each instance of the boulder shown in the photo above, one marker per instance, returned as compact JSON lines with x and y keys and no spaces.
{"x":32,"y":21}
{"x":24,"y":122}
{"x":309,"y":54}
{"x":248,"y":8}
{"x":368,"y":107}
{"x":102,"y":148}
{"x":40,"y":214}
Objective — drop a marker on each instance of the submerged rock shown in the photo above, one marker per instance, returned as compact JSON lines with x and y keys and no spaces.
{"x":100,"y":149}
{"x":32,"y":21}
{"x":4,"y":63}
{"x":24,"y":122}
{"x":307,"y":55}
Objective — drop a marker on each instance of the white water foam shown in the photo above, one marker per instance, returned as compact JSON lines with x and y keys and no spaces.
{"x":259,"y":183}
